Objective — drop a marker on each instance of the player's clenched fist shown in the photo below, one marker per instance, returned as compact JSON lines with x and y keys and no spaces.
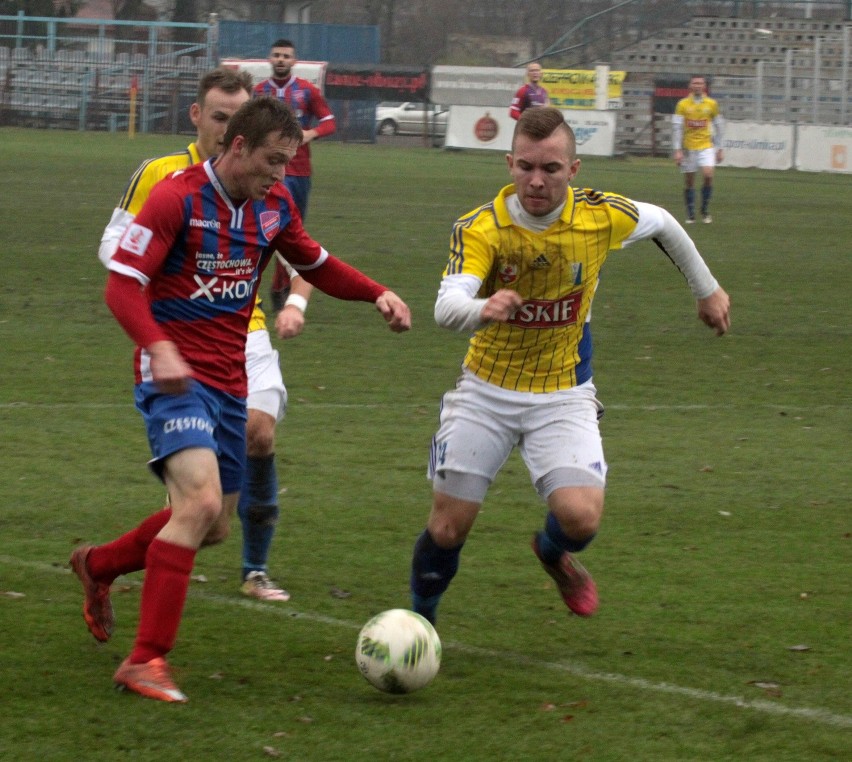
{"x":394,"y":311}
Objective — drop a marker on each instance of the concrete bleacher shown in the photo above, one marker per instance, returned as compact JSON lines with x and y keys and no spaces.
{"x":732,"y":53}
{"x":732,"y":46}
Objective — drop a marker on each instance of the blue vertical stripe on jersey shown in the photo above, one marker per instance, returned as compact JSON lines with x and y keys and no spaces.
{"x":583,"y":369}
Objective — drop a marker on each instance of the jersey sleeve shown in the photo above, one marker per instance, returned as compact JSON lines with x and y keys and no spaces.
{"x":471,"y":252}
{"x":320,"y":110}
{"x":623,"y":215}
{"x":146,"y":242}
{"x":118,"y":223}
{"x":517,"y":106}
{"x":657,"y":224}
{"x":329,"y":274}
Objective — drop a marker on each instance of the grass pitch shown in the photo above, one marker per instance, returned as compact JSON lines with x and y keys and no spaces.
{"x":723,"y":560}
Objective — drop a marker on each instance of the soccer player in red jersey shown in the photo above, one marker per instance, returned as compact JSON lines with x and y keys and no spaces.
{"x":529,"y":94}
{"x":183,"y":284}
{"x":317,"y":121}
{"x":221,"y":92}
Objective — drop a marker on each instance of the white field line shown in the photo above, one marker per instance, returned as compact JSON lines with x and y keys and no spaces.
{"x":12,"y":406}
{"x":807,"y":714}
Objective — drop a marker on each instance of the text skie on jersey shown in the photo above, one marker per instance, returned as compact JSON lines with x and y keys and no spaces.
{"x":548,"y":313}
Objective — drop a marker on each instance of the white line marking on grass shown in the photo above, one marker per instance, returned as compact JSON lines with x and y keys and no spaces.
{"x":810,"y":714}
{"x":430,"y":403}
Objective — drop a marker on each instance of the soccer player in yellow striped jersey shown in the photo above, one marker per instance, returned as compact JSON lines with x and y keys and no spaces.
{"x":697,"y":143}
{"x":220,"y":93}
{"x":522,"y":274}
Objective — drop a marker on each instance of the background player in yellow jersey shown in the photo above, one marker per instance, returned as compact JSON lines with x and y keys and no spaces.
{"x":522,"y":273}
{"x":697,"y":142}
{"x":220,"y":93}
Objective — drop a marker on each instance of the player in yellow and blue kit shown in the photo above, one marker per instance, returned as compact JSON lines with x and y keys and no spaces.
{"x":221,"y":92}
{"x":697,"y":142}
{"x":522,"y":274}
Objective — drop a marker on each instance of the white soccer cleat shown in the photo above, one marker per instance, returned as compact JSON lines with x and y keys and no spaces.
{"x":258,"y":585}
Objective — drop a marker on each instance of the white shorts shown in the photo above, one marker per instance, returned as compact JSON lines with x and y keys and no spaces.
{"x":692,"y":160}
{"x":554,"y":431}
{"x":266,"y":390}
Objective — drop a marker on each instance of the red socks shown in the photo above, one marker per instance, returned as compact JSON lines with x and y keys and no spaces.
{"x":167,"y":573}
{"x":127,"y":553}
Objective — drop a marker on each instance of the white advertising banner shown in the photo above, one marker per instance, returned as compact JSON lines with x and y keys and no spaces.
{"x":259,"y":68}
{"x":479,"y":127}
{"x":824,"y":149}
{"x":594,"y":130}
{"x":752,"y":144}
{"x":492,"y":128}
{"x":475,"y":85}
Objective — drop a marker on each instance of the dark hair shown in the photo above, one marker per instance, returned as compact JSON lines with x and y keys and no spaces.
{"x":282,"y":43}
{"x":256,"y":119}
{"x":223,"y":78}
{"x":541,"y":122}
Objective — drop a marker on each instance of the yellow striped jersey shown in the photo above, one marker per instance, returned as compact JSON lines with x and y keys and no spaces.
{"x":698,"y":116}
{"x":148,"y":174}
{"x":546,"y":345}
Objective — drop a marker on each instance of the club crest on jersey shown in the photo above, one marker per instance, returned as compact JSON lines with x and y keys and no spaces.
{"x":508,"y":273}
{"x":269,"y":224}
{"x":136,"y":239}
{"x":577,"y":273}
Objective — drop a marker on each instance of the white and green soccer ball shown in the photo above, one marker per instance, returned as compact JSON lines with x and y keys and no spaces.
{"x":398,"y":651}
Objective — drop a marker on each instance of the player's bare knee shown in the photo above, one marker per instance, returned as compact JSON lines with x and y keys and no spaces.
{"x":216,"y":534}
{"x":260,"y":442}
{"x":583,"y":522}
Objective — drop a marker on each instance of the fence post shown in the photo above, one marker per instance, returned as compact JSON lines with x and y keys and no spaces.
{"x":844,"y":76}
{"x":815,"y":105}
{"x":788,"y":83}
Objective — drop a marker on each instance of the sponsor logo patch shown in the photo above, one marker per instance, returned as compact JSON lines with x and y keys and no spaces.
{"x":544,"y":313}
{"x":136,"y":239}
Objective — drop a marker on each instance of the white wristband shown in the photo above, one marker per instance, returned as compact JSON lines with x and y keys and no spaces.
{"x":298,"y":301}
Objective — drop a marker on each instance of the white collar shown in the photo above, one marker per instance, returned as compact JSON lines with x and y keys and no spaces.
{"x":522,"y":218}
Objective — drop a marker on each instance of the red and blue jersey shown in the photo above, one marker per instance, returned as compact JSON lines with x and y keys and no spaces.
{"x":528,"y":95}
{"x":308,"y":104}
{"x":200,"y":256}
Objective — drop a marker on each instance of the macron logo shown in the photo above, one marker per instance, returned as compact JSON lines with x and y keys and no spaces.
{"x":206,"y":224}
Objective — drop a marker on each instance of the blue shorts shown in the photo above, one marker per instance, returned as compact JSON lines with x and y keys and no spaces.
{"x":300,"y":189}
{"x":202,"y":417}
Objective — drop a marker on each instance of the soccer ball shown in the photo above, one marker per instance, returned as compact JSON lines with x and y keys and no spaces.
{"x":398,"y":651}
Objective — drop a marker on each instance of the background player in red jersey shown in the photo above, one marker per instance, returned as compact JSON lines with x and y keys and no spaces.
{"x":183,"y":284}
{"x":221,"y":92}
{"x":529,"y":94}
{"x":317,"y":121}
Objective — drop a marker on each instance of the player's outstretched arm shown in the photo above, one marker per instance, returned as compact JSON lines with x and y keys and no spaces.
{"x":394,"y":311}
{"x":715,"y":311}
